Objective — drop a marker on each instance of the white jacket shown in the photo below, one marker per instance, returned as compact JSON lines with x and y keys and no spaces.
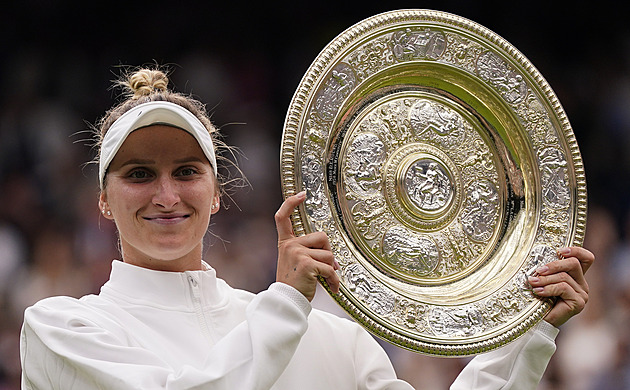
{"x":164,"y":330}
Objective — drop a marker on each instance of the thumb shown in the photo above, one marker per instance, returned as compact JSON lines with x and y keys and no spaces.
{"x":283,"y":215}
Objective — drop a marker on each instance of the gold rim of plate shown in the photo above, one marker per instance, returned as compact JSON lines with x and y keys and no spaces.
{"x":443,"y":169}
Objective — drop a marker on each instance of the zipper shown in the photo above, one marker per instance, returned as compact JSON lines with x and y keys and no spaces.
{"x":201,"y":317}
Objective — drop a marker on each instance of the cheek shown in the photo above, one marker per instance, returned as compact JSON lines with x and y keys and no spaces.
{"x":125,"y":202}
{"x":204,"y":204}
{"x":204,"y":196}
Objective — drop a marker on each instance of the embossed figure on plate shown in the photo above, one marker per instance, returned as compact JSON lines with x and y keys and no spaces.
{"x":455,"y":323}
{"x":411,"y":253}
{"x":339,"y":85}
{"x":429,"y":115}
{"x":554,"y":169}
{"x":312,"y":178}
{"x":370,"y":217}
{"x":479,"y":216}
{"x":379,"y":299}
{"x":496,"y":71}
{"x":409,"y":44}
{"x":364,"y":163}
{"x":428,"y":185}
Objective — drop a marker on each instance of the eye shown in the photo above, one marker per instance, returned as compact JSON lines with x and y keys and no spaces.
{"x":139,"y":174}
{"x":187,"y":171}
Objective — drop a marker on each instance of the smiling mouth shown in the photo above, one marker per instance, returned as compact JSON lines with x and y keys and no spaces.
{"x":167,"y":219}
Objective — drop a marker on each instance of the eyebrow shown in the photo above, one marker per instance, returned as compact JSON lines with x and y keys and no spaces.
{"x":137,"y":161}
{"x":191,"y":159}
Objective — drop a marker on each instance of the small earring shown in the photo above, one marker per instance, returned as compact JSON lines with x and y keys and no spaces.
{"x":214,"y":206}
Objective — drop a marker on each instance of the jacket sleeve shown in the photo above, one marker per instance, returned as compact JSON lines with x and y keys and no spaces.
{"x":518,"y":365}
{"x":63,"y":350}
{"x":374,"y":370}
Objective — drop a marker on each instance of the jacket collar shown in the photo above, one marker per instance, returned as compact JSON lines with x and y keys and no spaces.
{"x":168,"y":290}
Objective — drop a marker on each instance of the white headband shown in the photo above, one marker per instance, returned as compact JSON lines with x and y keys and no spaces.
{"x":152,"y":113}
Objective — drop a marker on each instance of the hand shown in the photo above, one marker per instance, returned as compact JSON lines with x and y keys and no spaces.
{"x":302,"y":259}
{"x":565,"y":280}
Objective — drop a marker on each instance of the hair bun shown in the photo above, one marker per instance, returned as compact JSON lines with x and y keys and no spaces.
{"x":147,"y":81}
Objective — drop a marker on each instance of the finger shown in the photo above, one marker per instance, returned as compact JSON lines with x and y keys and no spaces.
{"x":331,"y":277}
{"x":324,"y":256}
{"x":304,"y":275}
{"x":317,"y":240}
{"x":283,"y":215}
{"x":576,"y":299}
{"x":570,"y":303}
{"x":312,"y":246}
{"x":549,"y":284}
{"x":584,"y":256}
{"x":571,"y":267}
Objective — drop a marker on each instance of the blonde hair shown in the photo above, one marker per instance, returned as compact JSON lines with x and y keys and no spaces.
{"x":148,"y":85}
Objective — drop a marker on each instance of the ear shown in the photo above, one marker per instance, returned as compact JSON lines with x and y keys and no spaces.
{"x":104,"y":206}
{"x":216,"y":204}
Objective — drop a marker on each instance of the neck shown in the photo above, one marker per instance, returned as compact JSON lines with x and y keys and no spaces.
{"x":189,"y":262}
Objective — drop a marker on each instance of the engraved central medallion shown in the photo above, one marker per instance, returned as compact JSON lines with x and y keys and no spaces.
{"x":428,"y":185}
{"x":422,"y":186}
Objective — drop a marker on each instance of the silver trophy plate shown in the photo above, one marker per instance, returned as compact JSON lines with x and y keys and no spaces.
{"x":443,"y":169}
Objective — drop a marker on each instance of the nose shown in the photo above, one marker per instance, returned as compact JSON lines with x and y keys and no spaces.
{"x":166,"y":193}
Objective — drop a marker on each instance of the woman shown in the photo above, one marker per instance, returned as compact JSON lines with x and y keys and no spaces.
{"x":165,"y":321}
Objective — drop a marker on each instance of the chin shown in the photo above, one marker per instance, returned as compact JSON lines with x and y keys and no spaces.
{"x":168,"y":254}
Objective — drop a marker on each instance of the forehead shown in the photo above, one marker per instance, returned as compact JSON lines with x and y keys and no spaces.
{"x":159,"y":142}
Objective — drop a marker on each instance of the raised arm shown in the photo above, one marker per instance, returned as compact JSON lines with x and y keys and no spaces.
{"x":521,"y":364}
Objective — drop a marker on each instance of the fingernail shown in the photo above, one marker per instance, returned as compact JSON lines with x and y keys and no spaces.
{"x":564,"y":251}
{"x":533,"y":279}
{"x":301,"y":194}
{"x":538,"y":290}
{"x":542,"y":269}
{"x":336,"y":265}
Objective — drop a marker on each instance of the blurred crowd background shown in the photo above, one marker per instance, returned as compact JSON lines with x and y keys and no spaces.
{"x":57,"y":61}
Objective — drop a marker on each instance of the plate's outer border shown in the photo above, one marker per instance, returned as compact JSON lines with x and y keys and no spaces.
{"x":290,"y":186}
